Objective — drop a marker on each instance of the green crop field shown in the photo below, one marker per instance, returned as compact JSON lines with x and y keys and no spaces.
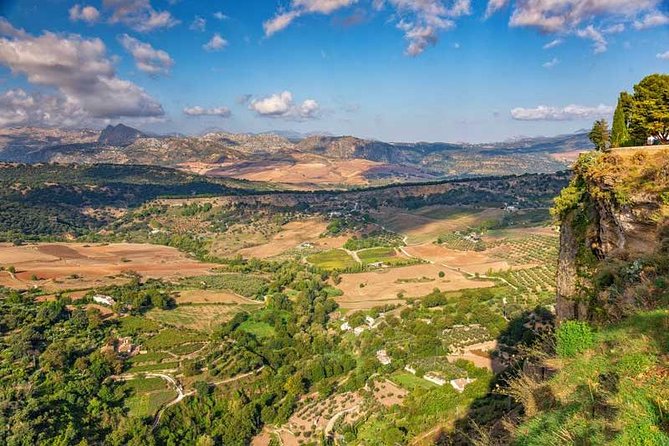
{"x":260,"y":329}
{"x":411,"y":382}
{"x":334,"y":259}
{"x":195,"y":317}
{"x":147,"y":404}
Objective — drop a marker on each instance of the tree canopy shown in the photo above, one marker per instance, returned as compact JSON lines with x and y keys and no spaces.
{"x":600,"y":136}
{"x":648,"y":110}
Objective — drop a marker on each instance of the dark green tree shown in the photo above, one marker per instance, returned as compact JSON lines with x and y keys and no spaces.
{"x":649,"y":110}
{"x":620,"y":136}
{"x":600,"y":135}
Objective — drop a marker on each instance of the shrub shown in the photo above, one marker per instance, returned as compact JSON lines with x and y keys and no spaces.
{"x":573,"y":337}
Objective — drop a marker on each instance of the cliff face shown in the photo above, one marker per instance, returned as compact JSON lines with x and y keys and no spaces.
{"x":612,"y":217}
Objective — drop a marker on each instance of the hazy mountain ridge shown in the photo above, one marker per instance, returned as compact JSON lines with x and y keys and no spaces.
{"x":263,"y":153}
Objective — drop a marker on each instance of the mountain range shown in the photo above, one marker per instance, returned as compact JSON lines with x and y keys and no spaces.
{"x":299,"y":160}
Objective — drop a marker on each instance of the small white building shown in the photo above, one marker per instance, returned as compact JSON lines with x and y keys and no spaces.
{"x":345,"y":327}
{"x":370,"y":320}
{"x":434,"y":379}
{"x":358,"y":330}
{"x":410,"y":369}
{"x":104,"y":300}
{"x":383,"y":357}
{"x":460,"y":384}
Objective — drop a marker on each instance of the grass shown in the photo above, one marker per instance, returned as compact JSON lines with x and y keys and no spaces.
{"x":411,"y":382}
{"x":617,"y":392}
{"x":146,"y":405}
{"x":149,"y":357}
{"x":385,"y":255}
{"x":257,"y":328}
{"x":334,"y":259}
{"x":144,"y":385}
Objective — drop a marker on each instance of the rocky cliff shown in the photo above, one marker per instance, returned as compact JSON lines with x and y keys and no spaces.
{"x":613,"y":233}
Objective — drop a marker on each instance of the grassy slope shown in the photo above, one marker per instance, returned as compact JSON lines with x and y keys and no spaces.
{"x":615,"y":393}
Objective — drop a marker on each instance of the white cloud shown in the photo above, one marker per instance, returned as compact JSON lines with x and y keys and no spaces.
{"x":564,"y":15}
{"x":569,"y":113}
{"x":663,"y":56}
{"x":614,"y":29}
{"x":494,"y":6}
{"x":599,"y":42}
{"x":79,"y":68}
{"x":281,"y":105}
{"x":18,"y":108}
{"x":219,"y":15}
{"x":652,"y":19}
{"x":139,"y":15}
{"x":551,"y":63}
{"x":283,"y":18}
{"x":222,"y":112}
{"x":147,"y":59}
{"x":279,"y":22}
{"x":216,"y":43}
{"x":553,"y":43}
{"x":198,"y":24}
{"x":88,"y":14}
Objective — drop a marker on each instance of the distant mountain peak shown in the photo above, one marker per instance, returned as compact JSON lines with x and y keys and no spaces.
{"x":119,"y":135}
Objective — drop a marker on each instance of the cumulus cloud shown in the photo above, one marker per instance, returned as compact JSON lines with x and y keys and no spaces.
{"x":281,"y":105}
{"x":663,"y":56}
{"x":422,"y":20}
{"x":198,"y":24}
{"x":569,"y":113}
{"x":219,"y":15}
{"x":216,"y":43}
{"x":78,"y":68}
{"x":88,"y":14}
{"x":551,"y":63}
{"x":196,"y":110}
{"x":564,"y":15}
{"x":139,"y":15}
{"x":17,"y":108}
{"x":147,"y":59}
{"x":297,"y":8}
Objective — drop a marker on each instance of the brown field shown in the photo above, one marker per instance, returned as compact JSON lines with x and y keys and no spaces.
{"x":387,"y":393}
{"x":302,"y":170}
{"x":465,"y":261}
{"x":429,"y":223}
{"x":382,"y":287}
{"x":60,"y":266}
{"x":293,"y":234}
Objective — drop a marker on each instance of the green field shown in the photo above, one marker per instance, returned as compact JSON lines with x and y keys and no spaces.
{"x":411,"y":382}
{"x":147,"y":404}
{"x":134,"y":325}
{"x":257,"y":328}
{"x":335,"y":259}
{"x":385,"y":255}
{"x":247,"y":285}
{"x":149,"y":357}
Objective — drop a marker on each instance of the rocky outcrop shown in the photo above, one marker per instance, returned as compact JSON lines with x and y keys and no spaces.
{"x":119,"y":135}
{"x":617,"y":218}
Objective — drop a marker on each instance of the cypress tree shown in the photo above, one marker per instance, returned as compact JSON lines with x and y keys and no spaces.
{"x":620,"y":136}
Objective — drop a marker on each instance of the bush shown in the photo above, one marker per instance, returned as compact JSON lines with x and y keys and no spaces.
{"x":573,"y":337}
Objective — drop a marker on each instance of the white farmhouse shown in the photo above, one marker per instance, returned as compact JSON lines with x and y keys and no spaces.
{"x":383,"y":357}
{"x":104,"y":300}
{"x":460,"y":384}
{"x":434,"y":379}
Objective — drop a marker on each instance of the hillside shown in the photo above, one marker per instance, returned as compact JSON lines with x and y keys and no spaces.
{"x":602,"y":377}
{"x":314,"y":161}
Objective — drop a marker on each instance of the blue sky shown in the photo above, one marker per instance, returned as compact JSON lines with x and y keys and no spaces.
{"x":400,"y":70}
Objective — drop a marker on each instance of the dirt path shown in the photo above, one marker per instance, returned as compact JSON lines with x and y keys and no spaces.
{"x":353,"y":254}
{"x":334,"y":419}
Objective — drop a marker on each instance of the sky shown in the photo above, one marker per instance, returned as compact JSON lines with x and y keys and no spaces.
{"x":395,"y":70}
